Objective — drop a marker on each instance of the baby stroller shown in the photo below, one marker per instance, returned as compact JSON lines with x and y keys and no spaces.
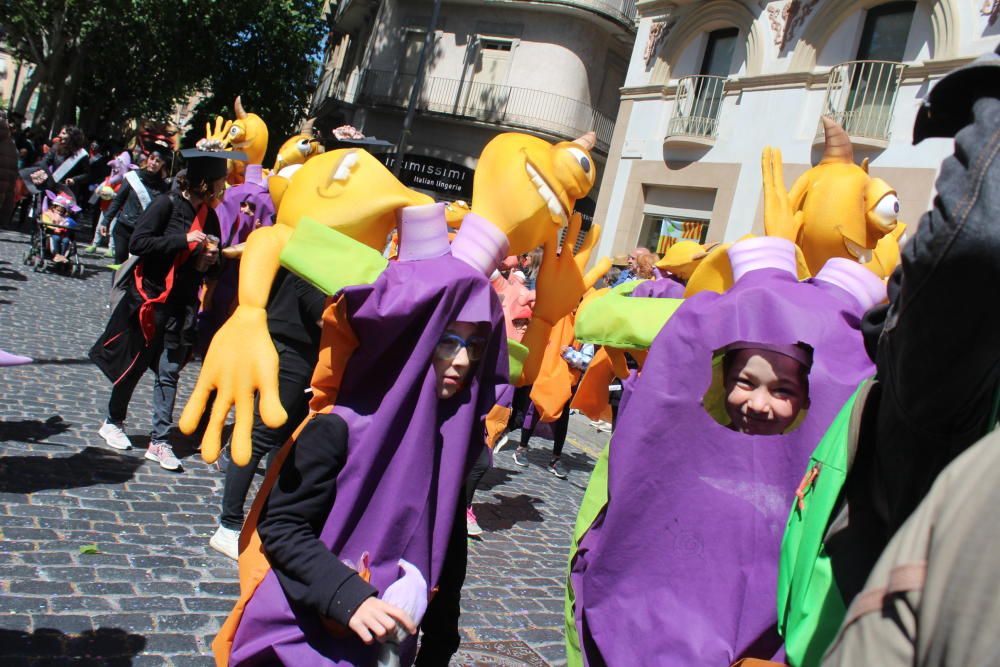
{"x":52,"y":223}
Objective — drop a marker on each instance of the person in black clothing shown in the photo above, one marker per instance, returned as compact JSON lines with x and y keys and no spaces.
{"x":65,"y":165}
{"x":128,"y":204}
{"x":177,"y":241}
{"x":294,"y":316}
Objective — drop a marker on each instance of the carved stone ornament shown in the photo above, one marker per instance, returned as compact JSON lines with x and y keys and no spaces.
{"x":657,"y":35}
{"x":787,"y":19}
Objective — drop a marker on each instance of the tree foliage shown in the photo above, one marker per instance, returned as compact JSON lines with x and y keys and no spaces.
{"x":105,"y":63}
{"x":272,"y":64}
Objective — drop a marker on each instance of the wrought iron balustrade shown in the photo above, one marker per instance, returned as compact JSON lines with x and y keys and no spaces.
{"x":861,"y":96}
{"x":697,"y":107}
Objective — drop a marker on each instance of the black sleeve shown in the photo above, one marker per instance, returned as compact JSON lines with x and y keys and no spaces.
{"x":148,"y":238}
{"x":938,"y":357}
{"x":311,"y":301}
{"x":117,"y":202}
{"x":294,"y":514}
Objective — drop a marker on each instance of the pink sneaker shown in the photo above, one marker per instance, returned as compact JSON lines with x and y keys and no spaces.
{"x":164,"y":455}
{"x":472,"y":527}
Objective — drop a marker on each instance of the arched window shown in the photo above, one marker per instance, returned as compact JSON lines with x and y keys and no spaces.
{"x":886,"y":30}
{"x":719,"y":50}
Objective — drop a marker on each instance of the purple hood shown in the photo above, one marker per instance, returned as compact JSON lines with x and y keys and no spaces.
{"x":681,"y":566}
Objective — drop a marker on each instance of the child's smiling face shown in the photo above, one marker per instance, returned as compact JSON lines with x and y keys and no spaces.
{"x":765,"y":391}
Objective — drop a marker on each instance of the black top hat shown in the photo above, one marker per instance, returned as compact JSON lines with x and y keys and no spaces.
{"x":208,"y":166}
{"x":948,"y":107}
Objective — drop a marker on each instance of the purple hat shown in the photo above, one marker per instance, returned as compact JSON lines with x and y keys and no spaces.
{"x":63,"y":199}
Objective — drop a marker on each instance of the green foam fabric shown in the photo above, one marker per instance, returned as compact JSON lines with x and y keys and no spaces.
{"x":618,"y":320}
{"x":810,"y":606}
{"x":328,"y":259}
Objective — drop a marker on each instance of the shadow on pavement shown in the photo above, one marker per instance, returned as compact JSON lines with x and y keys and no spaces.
{"x":32,"y":430}
{"x":62,"y":362}
{"x":495,"y":477}
{"x":507,"y":512}
{"x":93,"y":465}
{"x":12,"y":274}
{"x":104,"y":646}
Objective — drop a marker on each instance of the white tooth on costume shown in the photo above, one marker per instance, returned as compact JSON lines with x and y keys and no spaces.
{"x":289,"y":171}
{"x":551,"y":200}
{"x":346,"y":165}
{"x":863,"y":255}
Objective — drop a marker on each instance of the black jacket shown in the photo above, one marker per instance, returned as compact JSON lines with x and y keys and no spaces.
{"x":126,"y":205}
{"x":160,"y":235}
{"x":936,"y":348}
{"x":293,"y":517}
{"x":78,"y":173}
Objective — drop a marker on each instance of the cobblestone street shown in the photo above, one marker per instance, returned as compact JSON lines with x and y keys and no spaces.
{"x":104,"y":556}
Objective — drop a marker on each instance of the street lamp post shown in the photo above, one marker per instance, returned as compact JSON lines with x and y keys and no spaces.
{"x":418,"y":83}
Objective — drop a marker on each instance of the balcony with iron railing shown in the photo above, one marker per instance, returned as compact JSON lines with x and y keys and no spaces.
{"x":506,"y":106}
{"x":861,"y":96}
{"x":697,"y":108}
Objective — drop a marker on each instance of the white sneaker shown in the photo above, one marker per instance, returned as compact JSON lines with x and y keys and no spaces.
{"x":472,"y":527}
{"x":114,"y":435}
{"x":164,"y":455}
{"x":501,"y":443}
{"x":601,"y":425}
{"x":227,"y":542}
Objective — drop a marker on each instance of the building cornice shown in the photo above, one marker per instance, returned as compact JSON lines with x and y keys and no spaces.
{"x":914,"y":72}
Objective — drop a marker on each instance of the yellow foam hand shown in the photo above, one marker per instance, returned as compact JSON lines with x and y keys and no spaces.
{"x":241,"y":361}
{"x":779,"y":219}
{"x":560,"y":277}
{"x":221,"y":132}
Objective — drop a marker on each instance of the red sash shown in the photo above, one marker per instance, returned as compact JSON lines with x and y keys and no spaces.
{"x":147,"y":311}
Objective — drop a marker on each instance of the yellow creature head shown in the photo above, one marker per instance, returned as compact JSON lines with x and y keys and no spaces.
{"x":298,"y":149}
{"x":844,"y":211}
{"x":528,"y":187}
{"x":248,"y":134}
{"x":683,"y":257}
{"x":348,"y":190}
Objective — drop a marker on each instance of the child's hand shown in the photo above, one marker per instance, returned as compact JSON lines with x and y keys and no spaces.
{"x":376,"y":620}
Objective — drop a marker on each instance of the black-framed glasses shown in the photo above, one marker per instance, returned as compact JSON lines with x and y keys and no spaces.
{"x":451,"y":344}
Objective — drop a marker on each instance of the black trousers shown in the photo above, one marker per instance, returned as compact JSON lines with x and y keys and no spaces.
{"x":121,"y":235}
{"x":295,"y":367}
{"x":479,"y":469}
{"x":559,"y":430}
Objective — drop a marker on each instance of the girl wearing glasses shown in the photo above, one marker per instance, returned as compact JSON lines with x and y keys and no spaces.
{"x":375,"y":481}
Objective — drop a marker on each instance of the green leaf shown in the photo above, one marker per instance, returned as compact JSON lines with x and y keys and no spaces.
{"x":89,"y":549}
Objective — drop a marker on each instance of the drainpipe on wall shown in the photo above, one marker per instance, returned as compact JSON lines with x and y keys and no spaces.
{"x":418,"y":84}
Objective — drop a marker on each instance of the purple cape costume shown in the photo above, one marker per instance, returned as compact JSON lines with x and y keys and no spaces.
{"x":408,"y":451}
{"x":680,"y":567}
